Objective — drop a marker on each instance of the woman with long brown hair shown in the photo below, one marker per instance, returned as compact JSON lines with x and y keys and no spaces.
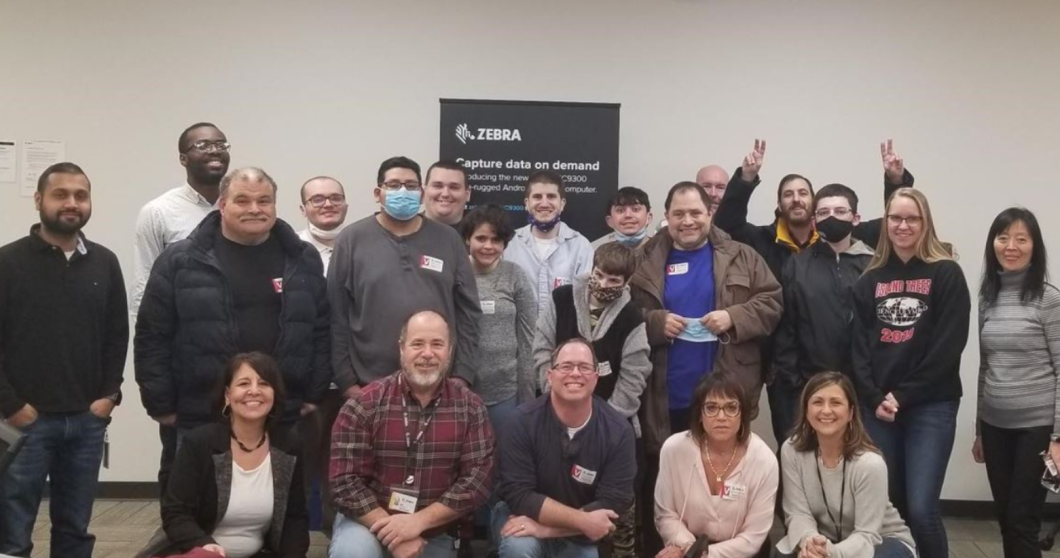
{"x":835,"y":481}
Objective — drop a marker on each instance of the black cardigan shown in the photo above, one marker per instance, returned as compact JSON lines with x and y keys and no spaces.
{"x":200,"y":484}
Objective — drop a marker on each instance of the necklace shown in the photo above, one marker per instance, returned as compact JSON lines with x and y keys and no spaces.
{"x":261,"y":442}
{"x":718,"y":477}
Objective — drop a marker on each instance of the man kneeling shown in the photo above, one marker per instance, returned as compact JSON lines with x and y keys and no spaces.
{"x":566,"y":465}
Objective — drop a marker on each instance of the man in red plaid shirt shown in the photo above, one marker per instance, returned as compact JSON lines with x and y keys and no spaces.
{"x":411,"y":454}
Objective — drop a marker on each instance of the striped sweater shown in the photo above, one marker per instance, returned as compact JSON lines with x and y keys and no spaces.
{"x":1019,"y":360}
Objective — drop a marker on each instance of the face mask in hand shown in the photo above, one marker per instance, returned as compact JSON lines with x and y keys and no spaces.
{"x":402,"y":204}
{"x":834,"y":230}
{"x":696,"y":332}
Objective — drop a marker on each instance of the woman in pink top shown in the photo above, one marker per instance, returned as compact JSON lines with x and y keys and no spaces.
{"x":718,"y":481}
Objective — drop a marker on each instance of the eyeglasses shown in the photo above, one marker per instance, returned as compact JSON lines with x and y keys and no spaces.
{"x":210,"y":146}
{"x":912,"y":220}
{"x":565,"y":368}
{"x":395,"y":185}
{"x":840,"y":212}
{"x":731,"y":409}
{"x":320,"y":200}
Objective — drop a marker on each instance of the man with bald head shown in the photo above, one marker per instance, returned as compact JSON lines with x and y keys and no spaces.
{"x":242,"y":281}
{"x":713,"y":179}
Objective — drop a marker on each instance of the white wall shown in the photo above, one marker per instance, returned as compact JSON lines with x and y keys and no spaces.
{"x":967,"y":88}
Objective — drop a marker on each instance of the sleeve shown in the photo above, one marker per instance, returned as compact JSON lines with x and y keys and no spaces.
{"x":864,"y":340}
{"x":584,"y":262}
{"x":869,"y":485}
{"x":116,"y":338}
{"x":517,"y":469}
{"x":758,"y":317}
{"x":761,"y":505}
{"x":472,"y":486}
{"x":731,"y":215}
{"x":468,"y":316}
{"x":340,"y":298}
{"x":544,"y":343}
{"x":10,"y":402}
{"x":633,"y":377}
{"x":352,"y":458}
{"x":983,"y":367}
{"x":320,"y":375}
{"x":615,"y":490}
{"x":949,"y":335}
{"x":149,"y":244}
{"x":869,"y":231}
{"x":798,"y":518}
{"x":188,"y":479}
{"x":525,"y":322}
{"x":294,"y":540}
{"x":786,"y":340}
{"x":156,"y":329}
{"x":1050,"y":319}
{"x":670,"y":492}
{"x":655,"y":327}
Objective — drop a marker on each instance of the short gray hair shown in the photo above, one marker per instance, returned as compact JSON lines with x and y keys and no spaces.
{"x":249,"y":174}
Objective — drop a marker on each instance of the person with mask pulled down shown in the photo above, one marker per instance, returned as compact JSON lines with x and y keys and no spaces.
{"x":629,"y":216}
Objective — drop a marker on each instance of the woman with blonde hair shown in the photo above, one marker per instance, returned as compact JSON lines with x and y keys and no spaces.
{"x":911,"y":319}
{"x":835,"y":481}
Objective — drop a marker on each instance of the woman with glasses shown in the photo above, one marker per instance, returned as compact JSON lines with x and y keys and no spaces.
{"x":835,"y":481}
{"x":1018,"y":415}
{"x":717,"y":482}
{"x":911,"y":317}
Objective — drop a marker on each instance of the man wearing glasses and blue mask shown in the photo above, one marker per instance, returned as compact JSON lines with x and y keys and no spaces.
{"x":389,"y":265}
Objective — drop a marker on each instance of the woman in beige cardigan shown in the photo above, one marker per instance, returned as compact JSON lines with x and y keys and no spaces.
{"x":718,"y":481}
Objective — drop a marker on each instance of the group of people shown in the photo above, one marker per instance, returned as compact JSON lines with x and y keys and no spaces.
{"x":430,"y":368}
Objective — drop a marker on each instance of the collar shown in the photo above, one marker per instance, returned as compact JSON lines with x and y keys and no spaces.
{"x":785,"y":239}
{"x":42,"y":244}
{"x":565,"y":233}
{"x":188,"y":192}
{"x":312,"y":240}
{"x":856,"y":248}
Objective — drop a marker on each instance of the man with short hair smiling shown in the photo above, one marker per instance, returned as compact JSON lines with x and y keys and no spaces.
{"x":551,"y":252}
{"x":445,"y":192}
{"x":629,"y":216}
{"x":243,"y":281}
{"x":324,"y":207}
{"x":411,"y":453}
{"x":566,"y":464}
{"x":64,"y":335}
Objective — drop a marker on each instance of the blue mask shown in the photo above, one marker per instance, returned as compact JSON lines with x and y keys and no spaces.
{"x":696,"y":332}
{"x":402,"y":204}
{"x":543,"y":226}
{"x":631,"y":240}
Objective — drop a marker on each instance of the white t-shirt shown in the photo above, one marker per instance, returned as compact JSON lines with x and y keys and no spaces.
{"x":241,"y":532}
{"x":543,"y":247}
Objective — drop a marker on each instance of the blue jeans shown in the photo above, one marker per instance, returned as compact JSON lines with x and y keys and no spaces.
{"x":917,"y":449}
{"x":350,"y":539}
{"x":529,"y":547}
{"x":68,"y":449}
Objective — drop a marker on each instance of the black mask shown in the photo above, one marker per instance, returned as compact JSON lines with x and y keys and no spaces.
{"x":834,"y":230}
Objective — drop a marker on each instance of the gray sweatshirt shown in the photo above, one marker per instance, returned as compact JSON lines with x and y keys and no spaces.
{"x":509,"y":312}
{"x":1019,"y":358}
{"x":377,"y":280}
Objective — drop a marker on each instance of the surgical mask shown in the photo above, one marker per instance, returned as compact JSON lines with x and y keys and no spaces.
{"x":322,"y":234}
{"x":834,"y":230}
{"x":604,"y":294}
{"x":402,"y":204}
{"x":543,"y":226}
{"x":696,"y":332}
{"x":631,"y":240}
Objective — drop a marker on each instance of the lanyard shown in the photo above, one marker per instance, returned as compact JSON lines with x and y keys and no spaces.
{"x":842,"y":497}
{"x":412,"y":443}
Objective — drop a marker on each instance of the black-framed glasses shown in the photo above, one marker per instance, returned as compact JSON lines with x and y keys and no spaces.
{"x":394,"y":185}
{"x":731,"y":409}
{"x":565,"y":368}
{"x":319,"y":200}
{"x":912,"y":220}
{"x":204,"y":146}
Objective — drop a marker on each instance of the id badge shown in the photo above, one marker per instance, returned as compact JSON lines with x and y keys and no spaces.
{"x":733,"y":492}
{"x":403,"y":499}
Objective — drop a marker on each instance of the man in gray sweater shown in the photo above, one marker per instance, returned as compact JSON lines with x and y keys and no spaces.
{"x":389,"y":266}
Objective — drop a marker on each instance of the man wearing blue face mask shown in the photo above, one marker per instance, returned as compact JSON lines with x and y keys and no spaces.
{"x":388,"y":266}
{"x":629,"y":216}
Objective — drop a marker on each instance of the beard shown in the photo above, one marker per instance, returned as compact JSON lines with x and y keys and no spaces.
{"x":57,"y":224}
{"x":797,"y":221}
{"x":424,"y":380}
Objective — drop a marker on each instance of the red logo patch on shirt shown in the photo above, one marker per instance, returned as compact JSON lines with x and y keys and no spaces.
{"x":277,"y":285}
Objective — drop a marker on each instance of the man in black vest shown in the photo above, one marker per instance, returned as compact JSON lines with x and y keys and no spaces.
{"x":597,"y":306}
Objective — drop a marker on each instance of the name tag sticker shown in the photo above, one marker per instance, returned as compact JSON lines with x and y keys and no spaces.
{"x":433,"y":264}
{"x":677,"y":269}
{"x":560,"y":281}
{"x":604,"y":368}
{"x":488,"y":306}
{"x":277,"y":285}
{"x":733,"y":492}
{"x":401,"y":502}
{"x":582,"y":475}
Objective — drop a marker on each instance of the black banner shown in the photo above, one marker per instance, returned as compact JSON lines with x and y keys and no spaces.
{"x":502,"y":142}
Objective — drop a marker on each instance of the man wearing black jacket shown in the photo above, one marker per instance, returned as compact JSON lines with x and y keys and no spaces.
{"x":814,"y":332}
{"x":792,"y":231}
{"x":64,"y":335}
{"x":243,"y":281}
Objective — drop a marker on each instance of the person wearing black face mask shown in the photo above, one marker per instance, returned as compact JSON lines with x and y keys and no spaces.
{"x":814,"y":332}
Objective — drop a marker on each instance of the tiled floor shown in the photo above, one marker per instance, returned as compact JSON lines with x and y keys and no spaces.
{"x":122,"y":527}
